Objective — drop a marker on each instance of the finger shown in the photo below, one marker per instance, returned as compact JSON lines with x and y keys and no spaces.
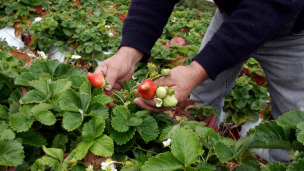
{"x":111,"y":76}
{"x":101,"y":69}
{"x":143,"y":105}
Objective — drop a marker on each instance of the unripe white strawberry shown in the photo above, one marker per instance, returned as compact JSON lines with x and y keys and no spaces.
{"x":169,"y":101}
{"x":161,"y":92}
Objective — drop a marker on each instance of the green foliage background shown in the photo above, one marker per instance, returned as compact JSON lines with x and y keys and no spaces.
{"x":201,"y":5}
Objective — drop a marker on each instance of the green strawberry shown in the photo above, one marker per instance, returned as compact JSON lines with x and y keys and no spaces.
{"x":165,"y":72}
{"x":169,"y":101}
{"x":171,"y":91}
{"x":161,"y":92}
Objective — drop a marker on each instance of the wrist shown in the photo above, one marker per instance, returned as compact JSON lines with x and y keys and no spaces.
{"x":199,"y":72}
{"x":132,"y":54}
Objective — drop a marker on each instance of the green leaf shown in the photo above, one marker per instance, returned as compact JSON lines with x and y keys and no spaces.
{"x":223,"y":152}
{"x":257,"y":105}
{"x":38,"y":165}
{"x":168,"y":132}
{"x":103,"y":146}
{"x":85,"y":101}
{"x":131,"y":168}
{"x":141,"y":160}
{"x":46,"y":117}
{"x":6,"y":132}
{"x":182,"y":49}
{"x":242,"y":144}
{"x":12,"y":73}
{"x":277,"y":166}
{"x":86,"y":88}
{"x":148,"y":129}
{"x":3,"y":112}
{"x":296,"y":166}
{"x":190,"y":169}
{"x":121,"y":137}
{"x":11,"y":153}
{"x":67,"y":32}
{"x":203,"y":166}
{"x":54,"y":152}
{"x":122,"y":112}
{"x":70,"y":101}
{"x":32,"y":137}
{"x":25,"y":78}
{"x":291,"y":119}
{"x":33,"y":96}
{"x":93,"y":129}
{"x":186,"y":146}
{"x":77,"y":80}
{"x":59,"y":141}
{"x":97,"y":47}
{"x":253,"y":117}
{"x":125,"y":147}
{"x":103,"y":99}
{"x":161,"y":162}
{"x":40,"y":107}
{"x":239,"y":118}
{"x":59,"y":86}
{"x":100,"y":109}
{"x":41,"y":85}
{"x":52,"y":162}
{"x":120,"y":124}
{"x":20,"y":123}
{"x":82,"y":149}
{"x":89,"y":49}
{"x":134,"y":120}
{"x":272,"y":136}
{"x":72,"y":120}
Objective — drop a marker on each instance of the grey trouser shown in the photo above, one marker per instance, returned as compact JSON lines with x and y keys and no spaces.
{"x":281,"y":58}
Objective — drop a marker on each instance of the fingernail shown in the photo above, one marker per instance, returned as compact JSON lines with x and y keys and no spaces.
{"x":109,"y":88}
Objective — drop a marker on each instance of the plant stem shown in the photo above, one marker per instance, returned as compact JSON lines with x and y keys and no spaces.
{"x":145,"y":150}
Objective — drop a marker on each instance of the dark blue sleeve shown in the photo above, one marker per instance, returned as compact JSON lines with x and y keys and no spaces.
{"x":145,"y":22}
{"x":248,"y":28}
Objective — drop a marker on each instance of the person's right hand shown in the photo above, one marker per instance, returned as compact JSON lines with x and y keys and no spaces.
{"x":120,"y":67}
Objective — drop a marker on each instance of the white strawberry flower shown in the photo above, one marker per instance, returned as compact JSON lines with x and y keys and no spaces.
{"x":167,"y":143}
{"x":173,"y":19}
{"x":42,"y":54}
{"x":134,"y":77}
{"x":76,"y":57}
{"x":158,"y":102}
{"x":108,"y":165}
{"x":90,"y":168}
{"x":110,"y":34}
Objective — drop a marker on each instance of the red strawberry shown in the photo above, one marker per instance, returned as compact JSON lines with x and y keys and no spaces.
{"x":147,"y":89}
{"x":96,"y":80}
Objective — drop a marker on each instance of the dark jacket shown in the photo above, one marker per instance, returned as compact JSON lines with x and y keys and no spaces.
{"x":251,"y":25}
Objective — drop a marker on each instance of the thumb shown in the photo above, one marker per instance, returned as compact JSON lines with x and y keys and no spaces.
{"x":111,"y":78}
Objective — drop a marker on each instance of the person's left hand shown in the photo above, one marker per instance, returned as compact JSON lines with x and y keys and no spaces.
{"x":182,"y":79}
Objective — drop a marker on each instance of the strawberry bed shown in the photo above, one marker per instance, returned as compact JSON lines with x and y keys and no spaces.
{"x":52,"y":118}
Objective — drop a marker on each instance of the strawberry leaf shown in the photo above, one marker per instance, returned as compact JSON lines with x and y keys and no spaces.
{"x":163,"y":161}
{"x":130,"y":167}
{"x":70,"y":101}
{"x":134,"y":120}
{"x":38,"y":165}
{"x":6,"y":132}
{"x":25,"y":78}
{"x":93,"y":129}
{"x":203,"y":166}
{"x":40,"y":107}
{"x":59,"y":141}
{"x":20,"y":123}
{"x":86,"y":88}
{"x":59,"y":86}
{"x":100,"y":109}
{"x":277,"y":166}
{"x":32,"y":137}
{"x":41,"y":85}
{"x":3,"y":112}
{"x":72,"y":120}
{"x":296,"y":166}
{"x":291,"y":119}
{"x":46,"y":117}
{"x":77,"y":80}
{"x":223,"y":152}
{"x":148,"y":129}
{"x":168,"y":132}
{"x":33,"y":96}
{"x":11,"y":153}
{"x":186,"y":146}
{"x":82,"y":149}
{"x":121,"y":137}
{"x":122,"y":112}
{"x":102,"y":99}
{"x":54,"y":152}
{"x":120,"y":124}
{"x":103,"y":146}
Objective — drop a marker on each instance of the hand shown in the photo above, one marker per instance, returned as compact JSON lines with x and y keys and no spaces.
{"x":120,"y":67}
{"x":183,"y":79}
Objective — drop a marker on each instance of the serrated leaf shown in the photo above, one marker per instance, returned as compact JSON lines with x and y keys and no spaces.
{"x":205,"y":135}
{"x":25,"y":78}
{"x":41,"y":85}
{"x":15,"y":96}
{"x":20,"y":123}
{"x":46,"y":117}
{"x":185,"y":146}
{"x":102,"y":99}
{"x":54,"y":152}
{"x":239,"y":118}
{"x":121,"y":137}
{"x":11,"y":153}
{"x":40,"y":107}
{"x":52,"y":162}
{"x":100,"y":109}
{"x":277,"y":166}
{"x":291,"y":119}
{"x":6,"y":132}
{"x":242,"y":144}
{"x":134,"y":120}
{"x":168,"y":132}
{"x":86,"y":88}
{"x":164,"y":161}
{"x":71,"y":120}
{"x":85,"y":101}
{"x":59,"y":86}
{"x":59,"y":141}
{"x":245,"y":167}
{"x":120,"y":124}
{"x":38,"y":166}
{"x":131,"y":168}
{"x":223,"y":152}
{"x":148,"y":129}
{"x":193,"y":125}
{"x":82,"y":149}
{"x":253,"y":117}
{"x":125,"y":147}
{"x":296,"y":166}
{"x":272,"y":136}
{"x":33,"y":96}
{"x":203,"y":166}
{"x":70,"y":101}
{"x":77,"y":80}
{"x":32,"y":137}
{"x":141,"y":160}
{"x":3,"y":112}
{"x":122,"y":112}
{"x":103,"y":146}
{"x":93,"y":129}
